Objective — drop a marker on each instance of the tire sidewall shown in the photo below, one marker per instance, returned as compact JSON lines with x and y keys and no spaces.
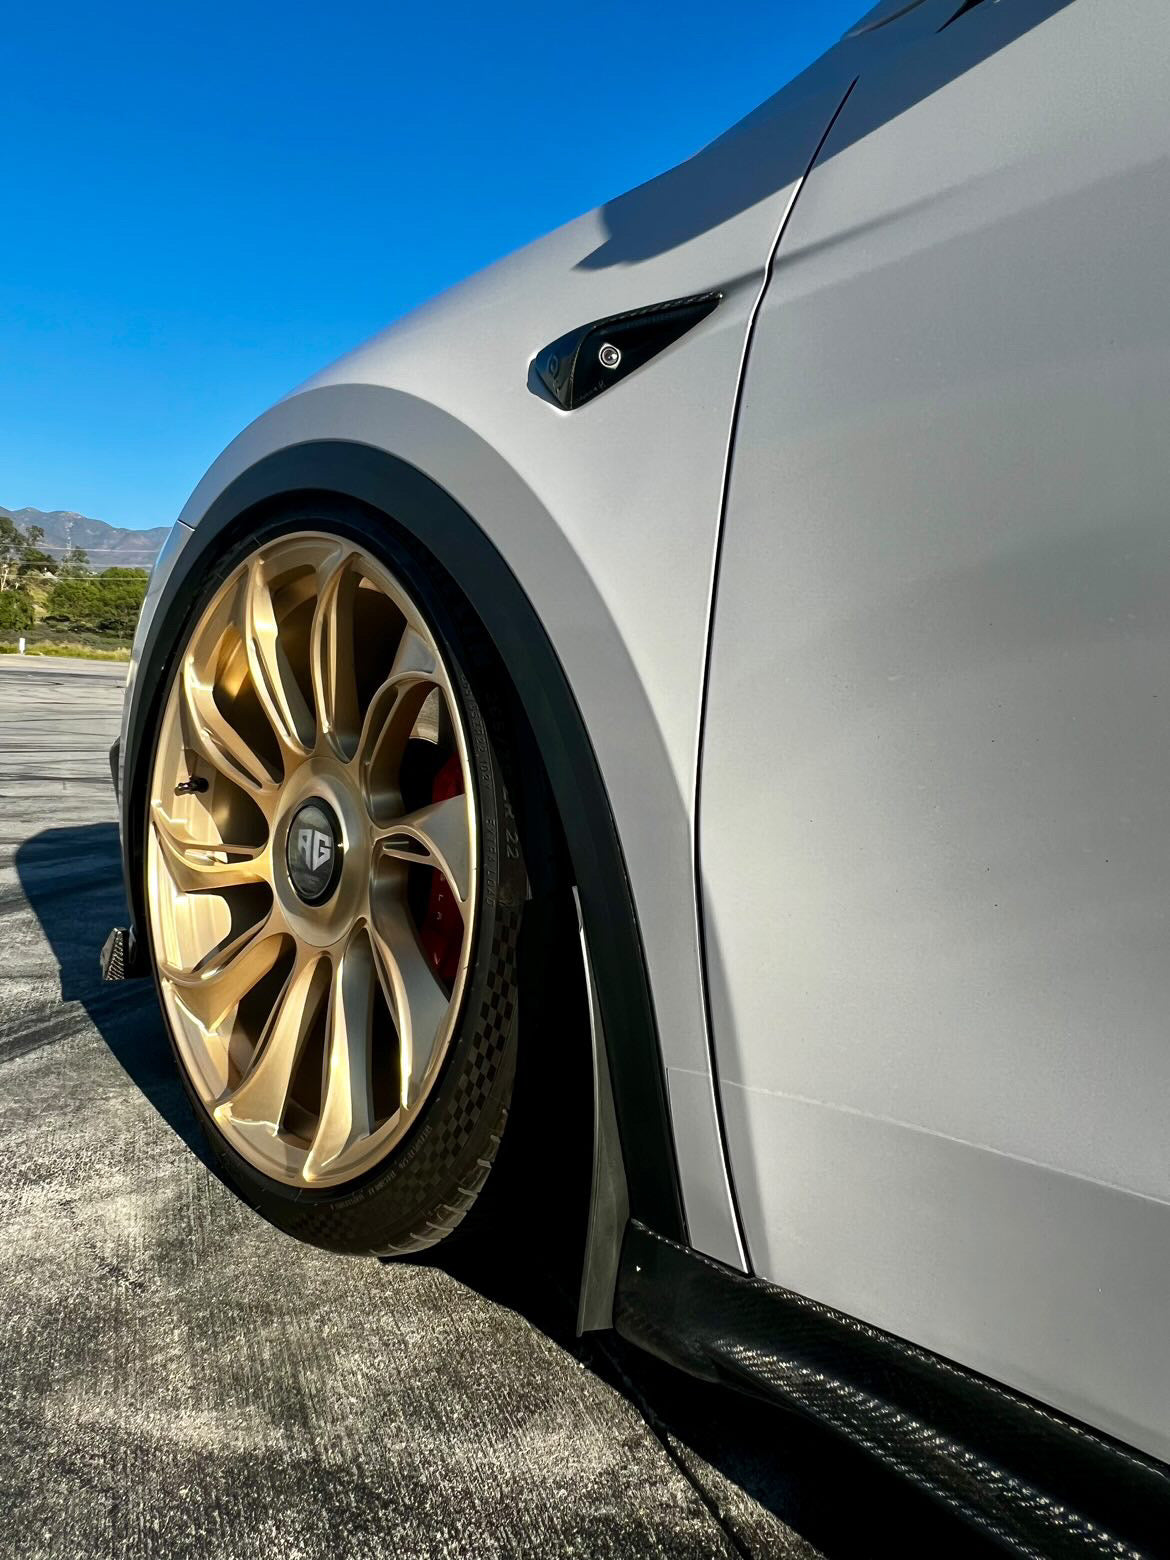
{"x":399,"y":1199}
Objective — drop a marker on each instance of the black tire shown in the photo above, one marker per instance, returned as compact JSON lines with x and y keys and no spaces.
{"x":429,"y":1182}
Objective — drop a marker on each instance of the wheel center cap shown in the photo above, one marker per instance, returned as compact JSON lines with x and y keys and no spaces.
{"x":313,"y":851}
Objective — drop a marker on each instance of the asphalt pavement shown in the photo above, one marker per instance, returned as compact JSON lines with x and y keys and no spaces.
{"x":180,"y":1379}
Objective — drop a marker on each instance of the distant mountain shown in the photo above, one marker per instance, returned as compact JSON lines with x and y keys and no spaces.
{"x":108,"y":546}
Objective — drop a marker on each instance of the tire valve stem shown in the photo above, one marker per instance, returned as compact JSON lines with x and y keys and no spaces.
{"x":194,"y":786}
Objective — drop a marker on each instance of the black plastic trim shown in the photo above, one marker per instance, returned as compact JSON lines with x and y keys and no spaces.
{"x":316,"y":477}
{"x":609,"y":1199}
{"x":1017,"y":1471}
{"x":586,"y":361}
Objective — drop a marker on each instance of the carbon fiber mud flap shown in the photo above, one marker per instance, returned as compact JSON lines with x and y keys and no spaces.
{"x":1027,"y":1478}
{"x":120,"y":956}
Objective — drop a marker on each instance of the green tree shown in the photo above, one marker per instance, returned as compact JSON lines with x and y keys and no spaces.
{"x":74,"y":603}
{"x":74,"y":563}
{"x":11,"y":548}
{"x":17,"y":550}
{"x":16,"y":612}
{"x":121,"y":592}
{"x":35,"y":562}
{"x":106,"y":603}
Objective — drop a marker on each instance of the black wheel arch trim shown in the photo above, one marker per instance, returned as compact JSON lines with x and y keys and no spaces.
{"x":335,"y":471}
{"x":1018,"y":1472}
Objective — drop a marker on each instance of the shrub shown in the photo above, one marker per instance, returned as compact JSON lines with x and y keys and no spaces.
{"x":98,"y":603}
{"x":16,"y":611}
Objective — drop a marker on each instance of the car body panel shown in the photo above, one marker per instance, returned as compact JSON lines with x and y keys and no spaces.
{"x":935,"y":807}
{"x":930,"y":1164}
{"x":607,"y":516}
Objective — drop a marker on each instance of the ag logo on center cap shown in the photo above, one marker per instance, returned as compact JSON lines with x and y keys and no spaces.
{"x":313,"y":851}
{"x":314,"y":848}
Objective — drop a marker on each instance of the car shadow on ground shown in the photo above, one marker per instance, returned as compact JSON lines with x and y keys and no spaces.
{"x":72,"y":880}
{"x":729,"y":1446}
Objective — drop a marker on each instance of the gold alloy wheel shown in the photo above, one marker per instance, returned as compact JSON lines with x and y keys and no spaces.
{"x":311,"y":860}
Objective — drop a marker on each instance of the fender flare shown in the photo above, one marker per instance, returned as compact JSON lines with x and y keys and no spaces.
{"x":334,"y":469}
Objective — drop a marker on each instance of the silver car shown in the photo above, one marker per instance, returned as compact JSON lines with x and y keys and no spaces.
{"x":759,"y":590}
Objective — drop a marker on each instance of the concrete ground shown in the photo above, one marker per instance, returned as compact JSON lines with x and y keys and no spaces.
{"x":179,"y":1379}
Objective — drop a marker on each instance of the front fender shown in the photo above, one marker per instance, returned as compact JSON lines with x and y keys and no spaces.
{"x":308,"y":477}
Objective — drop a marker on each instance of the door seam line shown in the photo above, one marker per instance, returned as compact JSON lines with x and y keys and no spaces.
{"x":705,"y":687}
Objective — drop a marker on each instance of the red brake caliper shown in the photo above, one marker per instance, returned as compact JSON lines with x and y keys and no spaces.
{"x":441,"y":933}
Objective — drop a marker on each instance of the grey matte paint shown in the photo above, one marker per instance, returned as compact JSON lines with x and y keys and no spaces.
{"x":933,"y":834}
{"x":936,"y":804}
{"x":608,"y":515}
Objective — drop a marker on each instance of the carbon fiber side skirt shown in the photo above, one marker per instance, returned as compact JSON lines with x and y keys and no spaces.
{"x":1022,"y":1474}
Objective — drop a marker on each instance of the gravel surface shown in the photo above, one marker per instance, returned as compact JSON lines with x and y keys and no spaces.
{"x":181,"y":1379}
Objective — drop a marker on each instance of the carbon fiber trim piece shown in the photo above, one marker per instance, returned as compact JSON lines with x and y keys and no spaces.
{"x":609,"y":1199}
{"x":1023,"y":1475}
{"x":120,"y":958}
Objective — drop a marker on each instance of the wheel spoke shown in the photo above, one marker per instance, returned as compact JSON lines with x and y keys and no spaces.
{"x":413,"y":993}
{"x":332,"y":649}
{"x":415,"y":665}
{"x":197,"y":867}
{"x":347,"y":1106}
{"x":434,"y":836}
{"x":276,"y":687}
{"x":262,"y":1097}
{"x":229,"y":971}
{"x":391,"y":716}
{"x":311,"y":675}
{"x":414,"y":658}
{"x":207,"y":730}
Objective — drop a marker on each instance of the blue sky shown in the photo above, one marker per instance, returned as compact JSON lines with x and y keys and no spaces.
{"x":205,"y":203}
